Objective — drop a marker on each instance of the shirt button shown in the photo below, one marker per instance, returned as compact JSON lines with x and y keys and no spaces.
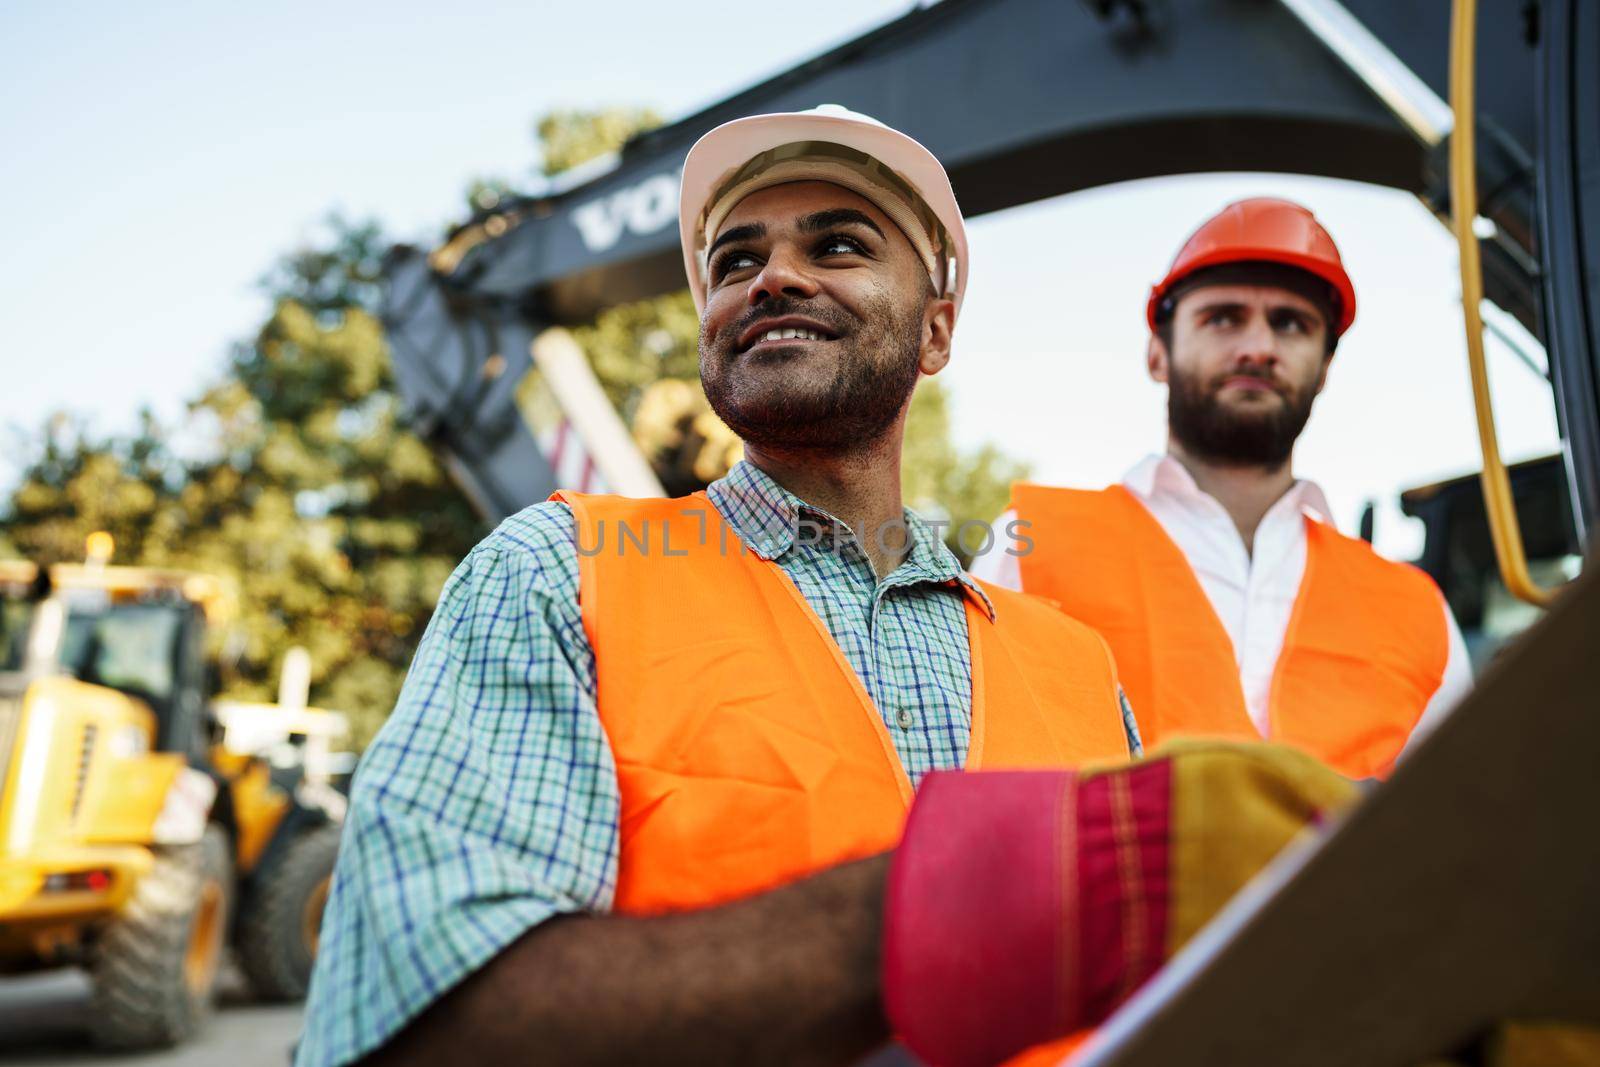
{"x":904,"y":719}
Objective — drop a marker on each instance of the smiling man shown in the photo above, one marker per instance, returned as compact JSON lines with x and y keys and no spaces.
{"x":635,"y":802}
{"x":1234,"y":607}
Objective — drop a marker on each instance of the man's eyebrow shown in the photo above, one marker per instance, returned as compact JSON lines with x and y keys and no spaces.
{"x":1219,"y":305}
{"x":749,"y":231}
{"x":839,"y":216}
{"x":1237,"y":306}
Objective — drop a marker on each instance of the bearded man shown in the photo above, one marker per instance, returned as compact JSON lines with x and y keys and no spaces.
{"x":1234,"y":607}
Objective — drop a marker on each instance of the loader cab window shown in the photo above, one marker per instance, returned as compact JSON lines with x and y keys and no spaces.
{"x":129,"y":647}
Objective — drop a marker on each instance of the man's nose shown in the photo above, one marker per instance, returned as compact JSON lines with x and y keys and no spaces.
{"x":1258,"y":344}
{"x":786,"y":273}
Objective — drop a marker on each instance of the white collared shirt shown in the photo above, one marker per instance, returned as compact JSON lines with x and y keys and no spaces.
{"x":1252,"y":595}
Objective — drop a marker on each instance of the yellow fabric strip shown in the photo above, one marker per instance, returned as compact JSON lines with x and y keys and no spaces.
{"x":1234,"y":807}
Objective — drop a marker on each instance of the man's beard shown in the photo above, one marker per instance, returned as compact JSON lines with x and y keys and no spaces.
{"x":1198,"y":420}
{"x":874,"y":373}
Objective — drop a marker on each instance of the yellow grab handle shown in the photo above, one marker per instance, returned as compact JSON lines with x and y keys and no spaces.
{"x":1497,"y":498}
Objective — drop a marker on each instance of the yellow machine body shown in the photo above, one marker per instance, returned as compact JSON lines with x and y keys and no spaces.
{"x":85,"y":795}
{"x":79,"y":802}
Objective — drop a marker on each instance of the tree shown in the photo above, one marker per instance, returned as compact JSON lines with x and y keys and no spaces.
{"x":941,"y":481}
{"x":570,"y":138}
{"x":300,"y":485}
{"x":76,"y":484}
{"x":337,"y":522}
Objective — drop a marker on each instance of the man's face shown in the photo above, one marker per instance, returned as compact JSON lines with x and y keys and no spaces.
{"x":1245,"y":364}
{"x":816,"y":258}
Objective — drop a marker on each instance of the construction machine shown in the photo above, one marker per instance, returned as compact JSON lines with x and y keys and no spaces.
{"x":144,"y":830}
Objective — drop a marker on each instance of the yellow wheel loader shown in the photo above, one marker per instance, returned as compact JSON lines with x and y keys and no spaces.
{"x":144,"y":831}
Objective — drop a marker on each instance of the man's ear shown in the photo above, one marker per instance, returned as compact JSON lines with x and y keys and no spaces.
{"x":1155,"y":359}
{"x":938,"y":321}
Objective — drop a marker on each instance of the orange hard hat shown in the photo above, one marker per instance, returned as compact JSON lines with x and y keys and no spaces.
{"x":1262,"y":229}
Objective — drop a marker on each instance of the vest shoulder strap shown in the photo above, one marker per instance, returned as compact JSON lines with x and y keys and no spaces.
{"x":1355,"y":560}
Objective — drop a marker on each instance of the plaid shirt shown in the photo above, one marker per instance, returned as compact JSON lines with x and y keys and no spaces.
{"x":488,"y":802}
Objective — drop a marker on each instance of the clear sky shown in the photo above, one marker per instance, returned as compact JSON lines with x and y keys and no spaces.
{"x":157,"y":158}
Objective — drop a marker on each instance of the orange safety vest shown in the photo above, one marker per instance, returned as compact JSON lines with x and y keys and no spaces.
{"x":1364,"y":651}
{"x":748,"y":753}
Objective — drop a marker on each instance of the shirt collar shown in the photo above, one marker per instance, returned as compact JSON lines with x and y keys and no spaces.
{"x":930,"y":560}
{"x":1157,"y":475}
{"x":766,"y":516}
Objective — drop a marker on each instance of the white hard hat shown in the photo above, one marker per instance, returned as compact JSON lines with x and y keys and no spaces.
{"x":828,"y":143}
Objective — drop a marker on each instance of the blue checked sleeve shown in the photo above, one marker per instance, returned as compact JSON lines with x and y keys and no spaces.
{"x":487,"y":803}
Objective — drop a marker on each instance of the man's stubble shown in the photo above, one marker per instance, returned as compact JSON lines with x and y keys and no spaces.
{"x":874,"y":372}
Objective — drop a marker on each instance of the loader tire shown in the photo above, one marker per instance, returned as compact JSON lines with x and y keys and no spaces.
{"x":278,"y":930}
{"x":154,"y":969}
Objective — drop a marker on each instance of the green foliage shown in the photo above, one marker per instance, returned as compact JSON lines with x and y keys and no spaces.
{"x":341,"y":272}
{"x":941,"y":481}
{"x":75,"y":485}
{"x":631,"y":346}
{"x":298,"y":483}
{"x":335,"y":520}
{"x":569,"y":138}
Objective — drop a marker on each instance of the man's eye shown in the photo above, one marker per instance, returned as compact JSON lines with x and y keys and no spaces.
{"x":729,"y":262}
{"x":1222,"y":318}
{"x":1290,"y":324}
{"x":840,"y":245}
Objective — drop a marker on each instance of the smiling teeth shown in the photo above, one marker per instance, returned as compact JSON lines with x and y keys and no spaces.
{"x":789,"y":333}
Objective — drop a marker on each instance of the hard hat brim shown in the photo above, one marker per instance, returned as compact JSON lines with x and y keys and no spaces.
{"x":1262,"y":229}
{"x":1320,"y":268}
